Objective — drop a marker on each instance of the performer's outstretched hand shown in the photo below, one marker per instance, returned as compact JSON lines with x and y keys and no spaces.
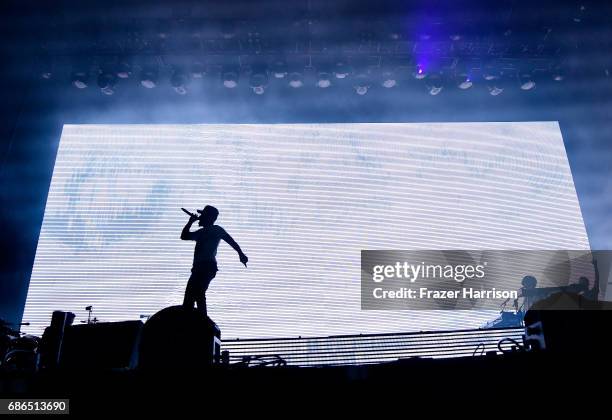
{"x":244,"y":259}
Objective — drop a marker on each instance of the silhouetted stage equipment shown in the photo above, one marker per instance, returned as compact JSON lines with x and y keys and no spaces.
{"x":17,"y":351}
{"x":104,"y":345}
{"x":179,"y":338}
{"x":567,"y":323}
{"x":53,"y":337}
{"x":506,"y":319}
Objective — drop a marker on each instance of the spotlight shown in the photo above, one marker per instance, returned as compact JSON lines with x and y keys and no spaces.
{"x":228,"y":29}
{"x":324,"y":79}
{"x":178,"y":80}
{"x":464,"y":81}
{"x":495,"y":87}
{"x":388,"y":79}
{"x":279,"y":69}
{"x":579,"y":14}
{"x":79,"y":79}
{"x":434,"y":83}
{"x":558,"y":75}
{"x":361,"y":84}
{"x":197,"y":70}
{"x":107,"y":82}
{"x":490,"y":74}
{"x":230,"y":78}
{"x":124,"y":70}
{"x":148,"y":78}
{"x":342,"y":70}
{"x":495,"y":90}
{"x":496,"y":82}
{"x":45,"y":69}
{"x":259,"y":80}
{"x":527,"y":81}
{"x":419,"y":72}
{"x":296,"y":80}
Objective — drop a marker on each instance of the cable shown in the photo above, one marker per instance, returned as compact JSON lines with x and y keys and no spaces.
{"x":478,"y":347}
{"x":509,"y":340}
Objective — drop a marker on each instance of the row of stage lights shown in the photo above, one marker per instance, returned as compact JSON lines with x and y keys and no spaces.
{"x":259,"y":79}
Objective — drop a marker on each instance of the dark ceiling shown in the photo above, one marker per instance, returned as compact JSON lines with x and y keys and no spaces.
{"x":57,"y":37}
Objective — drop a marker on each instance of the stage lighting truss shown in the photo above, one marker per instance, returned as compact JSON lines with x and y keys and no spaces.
{"x":297,"y":72}
{"x":436,"y":79}
{"x":226,"y":48}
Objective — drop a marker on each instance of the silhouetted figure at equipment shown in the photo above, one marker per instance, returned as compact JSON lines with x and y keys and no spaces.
{"x":573,"y":293}
{"x":204,"y":258}
{"x":583,"y":282}
{"x":529,"y":284}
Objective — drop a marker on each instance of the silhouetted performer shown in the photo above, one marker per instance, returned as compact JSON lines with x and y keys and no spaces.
{"x":204,"y":258}
{"x":592,"y":293}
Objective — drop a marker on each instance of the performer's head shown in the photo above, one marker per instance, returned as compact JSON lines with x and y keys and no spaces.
{"x":529,"y":282}
{"x":583,"y":282}
{"x":208,"y":216}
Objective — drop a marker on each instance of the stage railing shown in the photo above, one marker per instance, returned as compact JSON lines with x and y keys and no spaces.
{"x":371,"y":348}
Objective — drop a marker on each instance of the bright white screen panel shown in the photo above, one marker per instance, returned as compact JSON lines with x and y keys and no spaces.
{"x":302,"y":200}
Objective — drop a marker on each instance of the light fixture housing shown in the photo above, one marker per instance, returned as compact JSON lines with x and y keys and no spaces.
{"x":296,"y":79}
{"x":79,"y":79}
{"x":107,"y":82}
{"x":389,"y":79}
{"x":178,"y":80}
{"x":230,"y":78}
{"x":149,"y":77}
{"x":324,"y":79}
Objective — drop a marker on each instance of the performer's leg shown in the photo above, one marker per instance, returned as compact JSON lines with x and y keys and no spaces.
{"x":190,"y":296}
{"x":201,"y":295}
{"x":201,"y":302}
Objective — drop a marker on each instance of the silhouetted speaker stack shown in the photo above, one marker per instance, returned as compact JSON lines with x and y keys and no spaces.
{"x":53,"y":337}
{"x":179,"y":338}
{"x":103,"y":345}
{"x":568,"y":324}
{"x":173,"y":338}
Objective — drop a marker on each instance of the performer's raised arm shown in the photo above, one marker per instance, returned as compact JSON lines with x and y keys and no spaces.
{"x":186,"y":235}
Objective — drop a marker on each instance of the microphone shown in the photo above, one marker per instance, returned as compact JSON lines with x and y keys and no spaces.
{"x":188,"y":212}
